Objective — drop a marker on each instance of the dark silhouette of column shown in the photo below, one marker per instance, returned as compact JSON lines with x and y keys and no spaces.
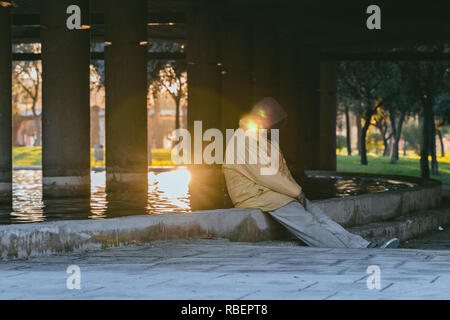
{"x":265,"y":76}
{"x":65,"y":101}
{"x":328,"y":115}
{"x":237,"y":81}
{"x":5,"y":105}
{"x":126,"y":96}
{"x":205,"y":76}
{"x":300,"y":97}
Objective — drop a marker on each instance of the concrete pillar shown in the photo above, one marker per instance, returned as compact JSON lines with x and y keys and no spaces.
{"x":65,"y":101}
{"x":328,"y":89}
{"x":299,"y":96}
{"x":5,"y":105}
{"x":205,"y":65}
{"x":126,"y":95}
{"x":237,"y":85}
{"x":266,"y":78}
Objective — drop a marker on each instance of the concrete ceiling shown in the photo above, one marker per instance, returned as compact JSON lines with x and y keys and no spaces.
{"x":333,"y":25}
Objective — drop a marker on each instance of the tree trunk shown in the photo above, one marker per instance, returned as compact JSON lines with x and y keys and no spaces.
{"x":434,"y":163}
{"x":441,"y":140}
{"x":358,"y":130}
{"x":386,"y":147}
{"x":37,"y":126}
{"x":397,"y":132}
{"x":362,"y":141}
{"x":177,"y":114}
{"x":425,"y":147}
{"x":348,"y":133}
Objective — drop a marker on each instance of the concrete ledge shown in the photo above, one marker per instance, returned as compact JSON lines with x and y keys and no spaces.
{"x":5,"y":192}
{"x":34,"y":239}
{"x":367,"y":208}
{"x":27,"y":168}
{"x":404,"y":227}
{"x":27,"y":240}
{"x":66,"y":186}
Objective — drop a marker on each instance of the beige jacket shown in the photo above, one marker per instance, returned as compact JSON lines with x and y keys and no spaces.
{"x":248,"y":188}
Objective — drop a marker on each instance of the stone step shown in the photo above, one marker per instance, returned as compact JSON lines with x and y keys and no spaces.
{"x":406,"y":226}
{"x":247,"y":225}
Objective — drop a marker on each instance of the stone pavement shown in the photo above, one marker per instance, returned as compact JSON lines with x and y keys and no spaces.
{"x":219,"y":269}
{"x":438,"y":240}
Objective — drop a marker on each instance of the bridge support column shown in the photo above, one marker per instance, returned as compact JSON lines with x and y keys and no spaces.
{"x":5,"y":105}
{"x":126,"y":96}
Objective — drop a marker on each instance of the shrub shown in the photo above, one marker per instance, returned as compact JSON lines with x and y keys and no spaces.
{"x":412,"y":137}
{"x":341,"y":142}
{"x":374,"y":142}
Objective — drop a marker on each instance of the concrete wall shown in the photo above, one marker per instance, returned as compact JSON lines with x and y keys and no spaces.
{"x":5,"y":105}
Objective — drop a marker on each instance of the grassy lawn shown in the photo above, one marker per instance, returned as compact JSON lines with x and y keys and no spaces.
{"x":408,"y":166}
{"x":23,"y":156}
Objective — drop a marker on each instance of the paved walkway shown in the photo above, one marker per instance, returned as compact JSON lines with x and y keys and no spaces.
{"x":218,"y":269}
{"x":438,"y":240}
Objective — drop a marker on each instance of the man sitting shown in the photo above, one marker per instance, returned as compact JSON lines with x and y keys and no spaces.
{"x":278,"y":193}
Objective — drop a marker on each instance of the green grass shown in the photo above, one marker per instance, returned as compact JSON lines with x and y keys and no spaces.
{"x":408,"y":166}
{"x":23,"y":156}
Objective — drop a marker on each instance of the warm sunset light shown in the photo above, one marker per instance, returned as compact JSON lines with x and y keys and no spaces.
{"x":240,"y":151}
{"x":252,"y":125}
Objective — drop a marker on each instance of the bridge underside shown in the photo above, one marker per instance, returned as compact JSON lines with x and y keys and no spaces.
{"x":237,"y":53}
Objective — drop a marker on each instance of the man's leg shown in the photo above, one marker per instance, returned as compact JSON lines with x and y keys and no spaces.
{"x":315,"y":228}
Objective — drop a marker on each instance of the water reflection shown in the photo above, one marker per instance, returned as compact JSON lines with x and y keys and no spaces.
{"x":324,"y":187}
{"x":167,"y":192}
{"x":27,"y":205}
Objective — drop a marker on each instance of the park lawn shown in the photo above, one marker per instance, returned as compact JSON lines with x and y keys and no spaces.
{"x":23,"y":156}
{"x":408,"y":166}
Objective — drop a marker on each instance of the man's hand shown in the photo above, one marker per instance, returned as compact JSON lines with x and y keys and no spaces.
{"x":301,"y":200}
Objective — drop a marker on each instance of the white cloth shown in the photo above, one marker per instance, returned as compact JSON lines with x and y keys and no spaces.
{"x":315,"y":228}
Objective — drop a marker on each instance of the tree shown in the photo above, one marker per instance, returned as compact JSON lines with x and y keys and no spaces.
{"x":374,"y":142}
{"x":381,"y":122}
{"x":399,"y":109}
{"x":27,"y":81}
{"x":340,"y":142}
{"x":426,"y":82}
{"x":442,"y":107}
{"x":345,"y":107}
{"x":412,"y":138}
{"x":169,"y":76}
{"x":371,"y":84}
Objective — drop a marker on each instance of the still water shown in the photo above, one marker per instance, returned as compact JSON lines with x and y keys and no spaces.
{"x":168,"y":191}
